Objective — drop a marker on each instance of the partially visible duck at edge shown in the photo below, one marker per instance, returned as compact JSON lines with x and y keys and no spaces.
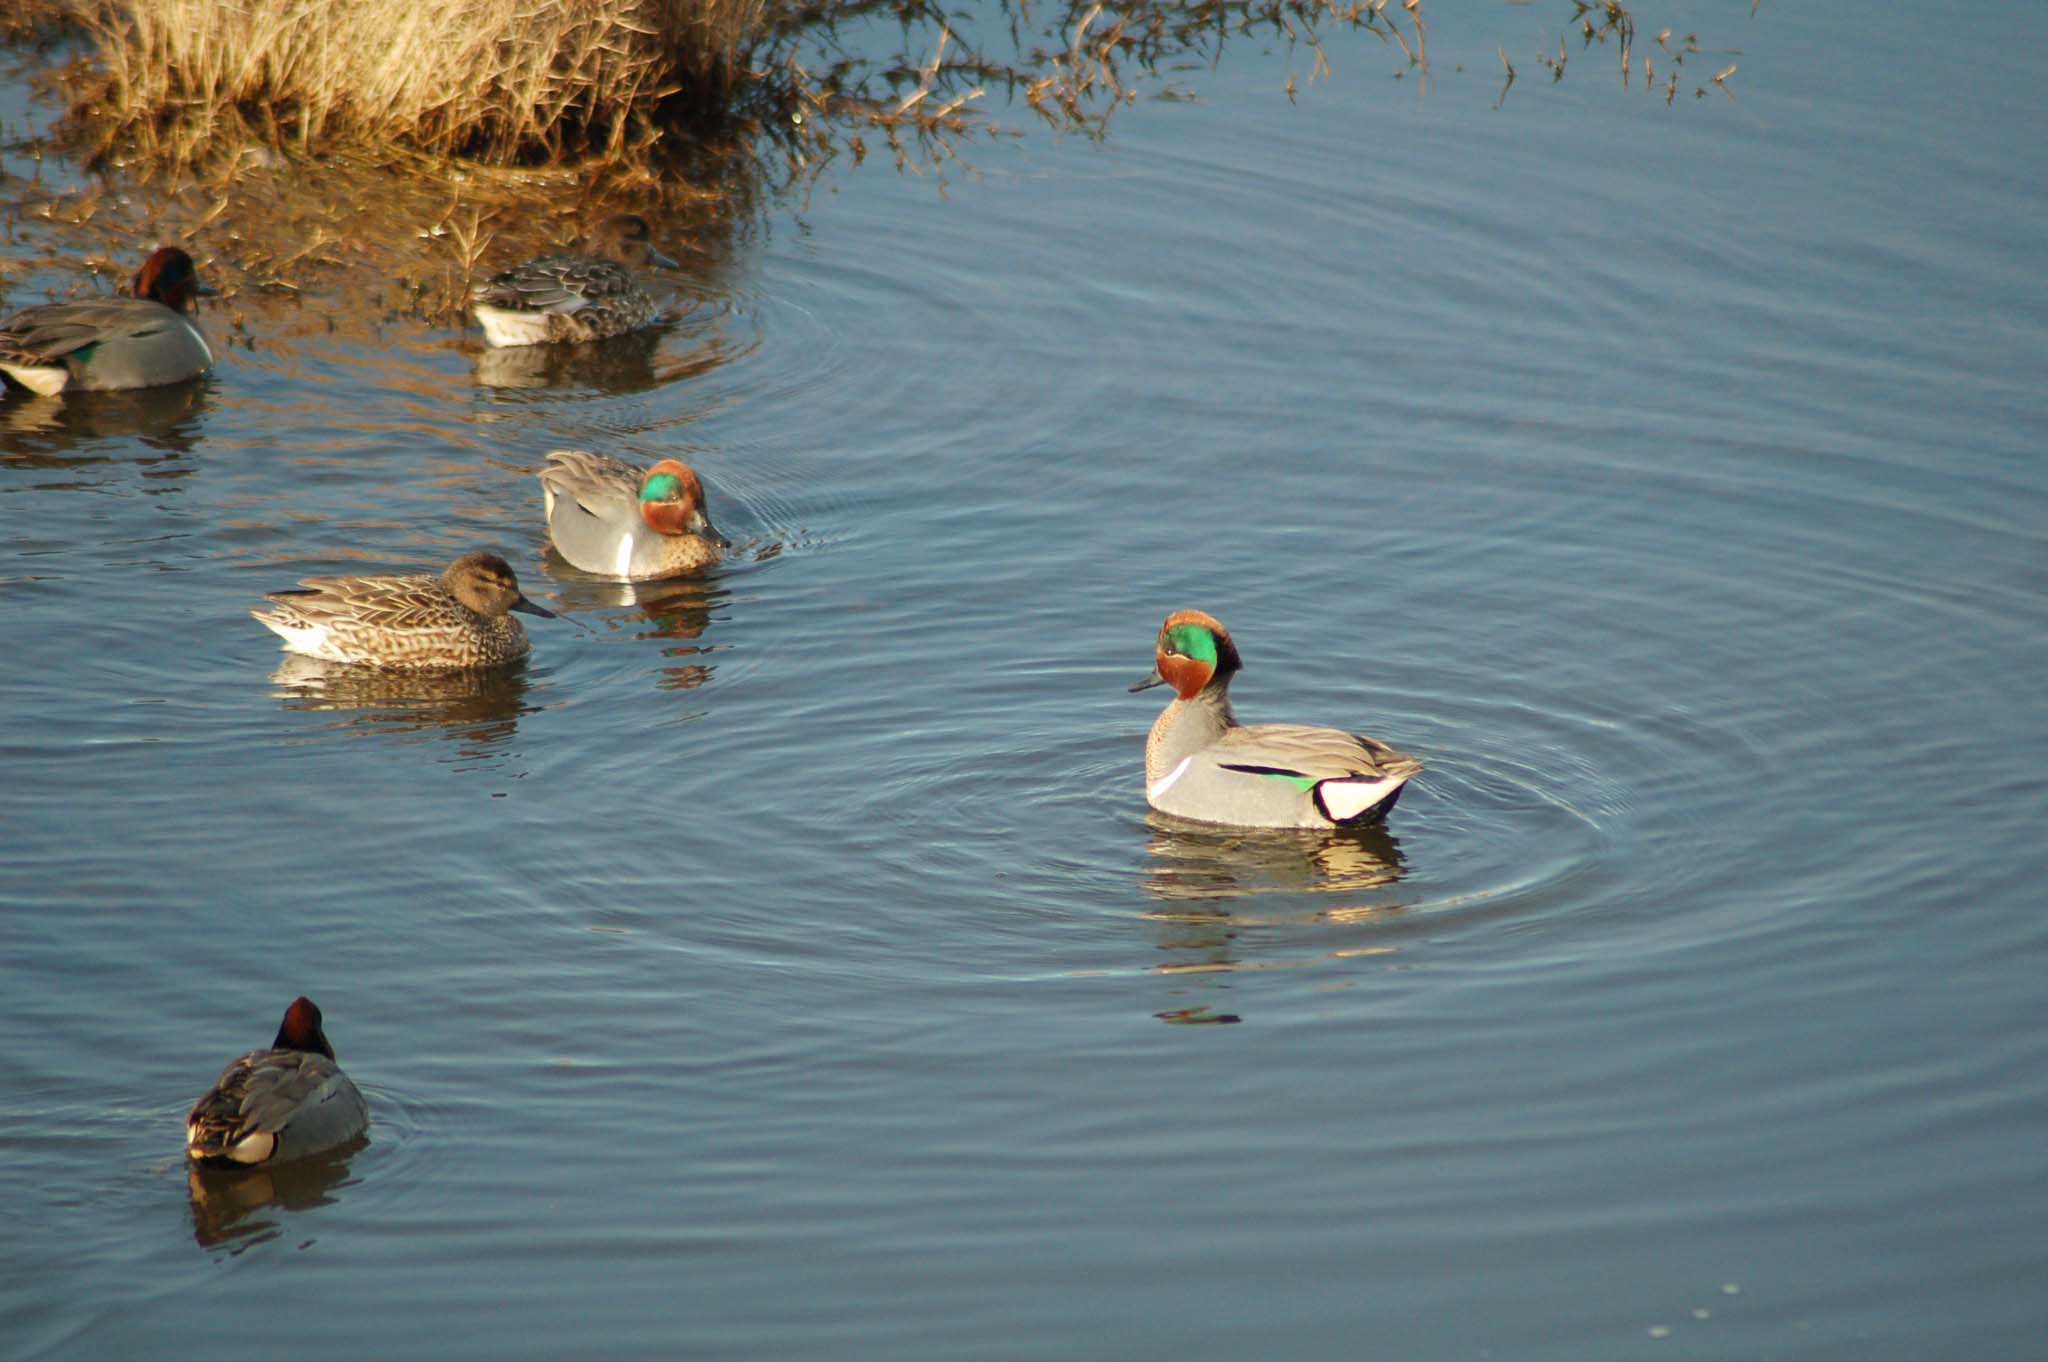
{"x":99,"y":344}
{"x":454,"y":621}
{"x":580,"y":295}
{"x":612,"y":519}
{"x":1201,"y":763}
{"x":283,"y":1103}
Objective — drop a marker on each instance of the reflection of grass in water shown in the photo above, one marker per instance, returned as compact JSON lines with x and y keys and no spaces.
{"x":361,"y":149}
{"x":623,"y":83}
{"x":350,"y":242}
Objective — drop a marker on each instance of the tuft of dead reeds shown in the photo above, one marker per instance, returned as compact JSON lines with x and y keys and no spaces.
{"x":491,"y":80}
{"x":542,"y":82}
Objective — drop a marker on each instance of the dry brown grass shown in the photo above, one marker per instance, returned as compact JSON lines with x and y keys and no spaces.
{"x":299,"y":144}
{"x":545,"y":81}
{"x":491,"y":80}
{"x":347,"y":242}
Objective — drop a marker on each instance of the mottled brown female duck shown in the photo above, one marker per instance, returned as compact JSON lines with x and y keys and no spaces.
{"x":417,"y":623}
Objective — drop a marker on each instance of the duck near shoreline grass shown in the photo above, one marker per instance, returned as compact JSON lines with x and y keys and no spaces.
{"x":496,"y":124}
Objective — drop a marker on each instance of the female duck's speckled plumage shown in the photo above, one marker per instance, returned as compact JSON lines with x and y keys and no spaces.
{"x":607,"y":517}
{"x":422,"y":623}
{"x":581,"y":295}
{"x":1201,"y":763}
{"x":102,"y":344}
{"x":277,"y":1104}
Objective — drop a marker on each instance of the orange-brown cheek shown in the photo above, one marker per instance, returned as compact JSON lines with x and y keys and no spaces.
{"x":1186,"y":675}
{"x":666,"y":517}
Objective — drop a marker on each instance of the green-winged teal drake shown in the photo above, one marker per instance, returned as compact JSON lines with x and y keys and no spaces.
{"x":95,"y":344}
{"x":421,"y":623}
{"x":1201,"y":763}
{"x":612,"y":519}
{"x":278,"y":1104}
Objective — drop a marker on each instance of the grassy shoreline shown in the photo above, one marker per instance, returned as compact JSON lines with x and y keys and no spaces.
{"x":474,"y":130}
{"x":494,"y":81}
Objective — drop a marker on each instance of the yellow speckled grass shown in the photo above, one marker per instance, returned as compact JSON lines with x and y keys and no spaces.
{"x":491,"y":80}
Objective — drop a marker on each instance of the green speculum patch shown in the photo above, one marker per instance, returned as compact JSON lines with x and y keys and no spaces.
{"x":1192,"y":640}
{"x":662,"y":487}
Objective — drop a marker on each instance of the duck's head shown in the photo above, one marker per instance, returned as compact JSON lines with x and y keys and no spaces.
{"x":672,"y":501}
{"x":300,"y":1030}
{"x":627,"y":239}
{"x":169,"y":277}
{"x":484,"y":582}
{"x":1194,"y":651}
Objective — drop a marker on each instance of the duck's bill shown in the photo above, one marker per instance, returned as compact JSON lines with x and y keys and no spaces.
{"x":205,"y":291}
{"x":1155,"y":679}
{"x":667,"y":262}
{"x":528,"y":607}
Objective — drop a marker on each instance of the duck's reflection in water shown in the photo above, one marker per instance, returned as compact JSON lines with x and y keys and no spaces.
{"x":58,"y":432}
{"x":1195,"y":861}
{"x":479,"y":708}
{"x":1208,"y":879}
{"x":676,"y":612}
{"x":243,"y":1207}
{"x":619,"y":366}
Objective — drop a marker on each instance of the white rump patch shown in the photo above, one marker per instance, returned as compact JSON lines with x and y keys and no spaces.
{"x":1166,"y":782}
{"x":502,"y":326}
{"x":310,"y":639}
{"x":1346,"y":799}
{"x":253,"y":1148}
{"x":42,"y":381}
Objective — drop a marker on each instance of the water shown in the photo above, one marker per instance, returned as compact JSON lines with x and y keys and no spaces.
{"x":785,"y":965}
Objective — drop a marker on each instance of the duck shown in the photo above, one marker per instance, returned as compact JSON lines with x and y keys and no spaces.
{"x":282,"y":1103}
{"x":1202,"y":764}
{"x":419,"y":622}
{"x":585,"y":294}
{"x":613,"y":519}
{"x":100,"y":344}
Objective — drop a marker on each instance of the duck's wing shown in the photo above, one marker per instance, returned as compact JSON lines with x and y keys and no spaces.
{"x":1320,"y":753}
{"x":600,"y":484}
{"x":1348,"y":775}
{"x":555,"y":283}
{"x":380,"y":602}
{"x":47,"y":332}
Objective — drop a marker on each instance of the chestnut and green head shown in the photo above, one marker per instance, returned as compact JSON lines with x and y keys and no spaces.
{"x":169,"y":277}
{"x":300,"y":1030}
{"x":1193,"y":652}
{"x":672,"y":501}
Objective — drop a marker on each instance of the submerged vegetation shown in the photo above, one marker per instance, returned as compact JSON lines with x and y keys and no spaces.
{"x":482,"y":127}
